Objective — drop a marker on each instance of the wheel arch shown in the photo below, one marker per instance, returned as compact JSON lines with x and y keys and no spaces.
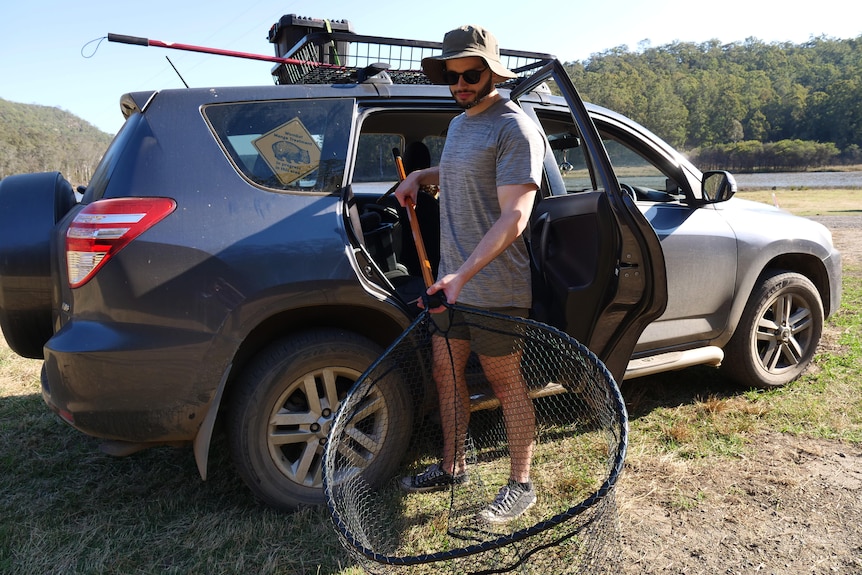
{"x":808,"y":265}
{"x":811,"y":267}
{"x":374,"y":323}
{"x":787,"y":334}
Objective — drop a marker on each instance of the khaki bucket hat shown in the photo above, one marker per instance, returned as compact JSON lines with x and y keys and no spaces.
{"x":464,"y":42}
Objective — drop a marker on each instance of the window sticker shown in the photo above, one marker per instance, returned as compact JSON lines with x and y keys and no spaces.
{"x":290,"y":151}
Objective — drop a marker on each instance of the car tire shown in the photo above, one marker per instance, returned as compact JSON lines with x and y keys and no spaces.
{"x":285,"y":403}
{"x":778,"y":333}
{"x":30,"y":207}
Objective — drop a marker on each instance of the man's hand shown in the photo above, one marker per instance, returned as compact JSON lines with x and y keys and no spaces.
{"x":450,"y":285}
{"x":409,"y":187}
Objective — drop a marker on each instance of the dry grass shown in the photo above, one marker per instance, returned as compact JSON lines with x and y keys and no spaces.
{"x":18,"y":376}
{"x":809,"y":202}
{"x":67,"y":508}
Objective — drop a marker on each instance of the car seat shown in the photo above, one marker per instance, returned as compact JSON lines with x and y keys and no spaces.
{"x":416,"y":157}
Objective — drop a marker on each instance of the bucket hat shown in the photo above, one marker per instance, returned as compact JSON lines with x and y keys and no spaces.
{"x":464,"y":42}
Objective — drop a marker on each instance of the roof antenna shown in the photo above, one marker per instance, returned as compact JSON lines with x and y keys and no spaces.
{"x":177,"y":71}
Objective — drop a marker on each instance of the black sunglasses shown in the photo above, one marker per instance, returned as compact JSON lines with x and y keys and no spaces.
{"x":470,"y":76}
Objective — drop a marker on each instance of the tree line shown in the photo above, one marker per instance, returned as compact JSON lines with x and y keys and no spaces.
{"x":747,"y":105}
{"x":743,"y":106}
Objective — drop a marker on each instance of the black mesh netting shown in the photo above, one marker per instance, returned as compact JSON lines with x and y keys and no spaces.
{"x":538,"y":402}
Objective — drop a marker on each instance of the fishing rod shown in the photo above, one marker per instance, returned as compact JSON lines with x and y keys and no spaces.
{"x":138,"y":41}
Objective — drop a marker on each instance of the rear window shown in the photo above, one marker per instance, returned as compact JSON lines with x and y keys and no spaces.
{"x":98,"y":184}
{"x":290,"y":145}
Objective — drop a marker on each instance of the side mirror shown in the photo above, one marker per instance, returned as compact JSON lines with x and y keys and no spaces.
{"x":718,"y":186}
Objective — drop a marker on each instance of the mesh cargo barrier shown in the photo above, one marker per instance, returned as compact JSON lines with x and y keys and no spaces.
{"x":565,"y":416}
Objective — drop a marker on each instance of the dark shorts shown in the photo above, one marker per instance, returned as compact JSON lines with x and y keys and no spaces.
{"x":452,"y":324}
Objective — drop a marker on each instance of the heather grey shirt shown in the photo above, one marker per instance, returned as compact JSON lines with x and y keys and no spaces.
{"x":498,"y":147}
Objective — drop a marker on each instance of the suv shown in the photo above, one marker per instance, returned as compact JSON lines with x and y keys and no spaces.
{"x":237,"y":258}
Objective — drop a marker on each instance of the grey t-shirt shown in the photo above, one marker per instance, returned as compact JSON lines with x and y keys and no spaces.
{"x":498,"y":147}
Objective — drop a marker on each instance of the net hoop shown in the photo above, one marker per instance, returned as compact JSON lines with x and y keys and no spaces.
{"x":615,"y":397}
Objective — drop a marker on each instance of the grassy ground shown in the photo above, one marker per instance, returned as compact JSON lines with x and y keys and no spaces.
{"x":67,"y":508}
{"x":810,"y":202}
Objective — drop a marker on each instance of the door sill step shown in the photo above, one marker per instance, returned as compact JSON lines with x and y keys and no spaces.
{"x":674,"y":360}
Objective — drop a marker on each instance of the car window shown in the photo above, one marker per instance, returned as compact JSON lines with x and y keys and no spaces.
{"x":291,"y":145}
{"x":631,"y":167}
{"x":417,"y":133}
{"x":102,"y":176}
{"x":635,"y":168}
{"x":570,"y":157}
{"x":638,"y":173}
{"x":374,"y":159}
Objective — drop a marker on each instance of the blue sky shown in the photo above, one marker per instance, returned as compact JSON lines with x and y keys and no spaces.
{"x":41,"y":43}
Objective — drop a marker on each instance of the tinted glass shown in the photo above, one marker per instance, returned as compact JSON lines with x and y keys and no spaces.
{"x":293,"y":145}
{"x":569,"y":153}
{"x":631,"y":167}
{"x":102,"y":176}
{"x":374,"y":159}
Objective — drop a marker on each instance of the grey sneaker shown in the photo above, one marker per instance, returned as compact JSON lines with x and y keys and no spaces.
{"x":432,"y":479}
{"x":511,"y":502}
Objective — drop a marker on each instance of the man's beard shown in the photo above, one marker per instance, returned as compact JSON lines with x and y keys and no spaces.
{"x":481,"y":94}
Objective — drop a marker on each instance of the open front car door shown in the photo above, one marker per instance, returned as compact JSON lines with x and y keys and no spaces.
{"x":599,"y":271}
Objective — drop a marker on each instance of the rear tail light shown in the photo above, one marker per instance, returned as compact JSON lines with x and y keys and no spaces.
{"x":104,"y":227}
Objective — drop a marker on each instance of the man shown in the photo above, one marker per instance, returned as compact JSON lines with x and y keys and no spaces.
{"x":488,"y":175}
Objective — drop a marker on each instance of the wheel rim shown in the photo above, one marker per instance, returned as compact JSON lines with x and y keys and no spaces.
{"x":300,"y":422}
{"x":784,"y":333}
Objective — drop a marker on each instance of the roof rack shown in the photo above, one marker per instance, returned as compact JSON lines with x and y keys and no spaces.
{"x":340,"y":56}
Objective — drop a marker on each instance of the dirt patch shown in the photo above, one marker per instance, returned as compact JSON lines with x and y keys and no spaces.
{"x":794,"y":507}
{"x":847,"y":235}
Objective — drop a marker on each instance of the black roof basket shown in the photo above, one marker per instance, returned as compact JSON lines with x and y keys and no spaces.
{"x":341,"y":56}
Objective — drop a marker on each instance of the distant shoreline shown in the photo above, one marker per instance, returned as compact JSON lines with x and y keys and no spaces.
{"x":849,"y":179}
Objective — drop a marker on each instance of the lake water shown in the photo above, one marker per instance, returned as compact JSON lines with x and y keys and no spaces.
{"x":799,"y":180}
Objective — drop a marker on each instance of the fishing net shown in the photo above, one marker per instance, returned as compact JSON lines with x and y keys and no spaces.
{"x":556,"y":409}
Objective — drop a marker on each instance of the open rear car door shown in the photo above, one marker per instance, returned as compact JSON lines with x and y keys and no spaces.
{"x":599,"y":270}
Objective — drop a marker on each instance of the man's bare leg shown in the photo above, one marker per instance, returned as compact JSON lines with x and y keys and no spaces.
{"x":450,"y":362}
{"x":509,"y":386}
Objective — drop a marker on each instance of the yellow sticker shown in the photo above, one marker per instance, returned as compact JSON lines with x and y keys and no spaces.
{"x":290,"y":151}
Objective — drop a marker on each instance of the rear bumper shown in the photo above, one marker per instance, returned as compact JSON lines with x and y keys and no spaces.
{"x":129,"y":383}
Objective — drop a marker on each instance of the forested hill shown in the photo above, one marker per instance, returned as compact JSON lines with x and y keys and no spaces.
{"x":45,"y":139}
{"x":742,"y":106}
{"x":742,"y":99}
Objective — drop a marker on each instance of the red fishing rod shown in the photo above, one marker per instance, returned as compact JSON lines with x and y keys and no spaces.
{"x":138,"y":41}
